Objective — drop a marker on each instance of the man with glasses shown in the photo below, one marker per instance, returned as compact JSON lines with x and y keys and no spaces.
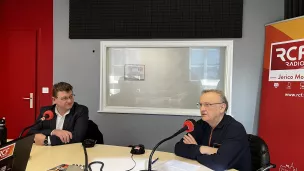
{"x":70,"y":121}
{"x":218,"y":140}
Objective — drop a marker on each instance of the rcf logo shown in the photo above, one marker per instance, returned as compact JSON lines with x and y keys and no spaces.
{"x":7,"y":151}
{"x":287,"y":55}
{"x":288,"y":168}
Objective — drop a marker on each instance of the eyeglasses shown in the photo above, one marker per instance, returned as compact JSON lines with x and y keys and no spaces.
{"x":206,"y":105}
{"x":67,"y":98}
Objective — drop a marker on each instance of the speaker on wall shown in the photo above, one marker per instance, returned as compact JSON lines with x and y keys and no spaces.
{"x":293,"y":8}
{"x":155,"y":19}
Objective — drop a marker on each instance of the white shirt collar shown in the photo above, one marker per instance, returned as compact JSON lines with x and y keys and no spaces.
{"x":58,"y":114}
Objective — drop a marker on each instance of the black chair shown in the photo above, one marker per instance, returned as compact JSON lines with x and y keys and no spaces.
{"x":94,"y":133}
{"x":260,"y":156}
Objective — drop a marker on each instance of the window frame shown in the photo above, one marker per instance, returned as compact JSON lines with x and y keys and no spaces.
{"x":104,"y":45}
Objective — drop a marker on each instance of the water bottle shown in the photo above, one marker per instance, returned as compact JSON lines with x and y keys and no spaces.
{"x":3,"y":131}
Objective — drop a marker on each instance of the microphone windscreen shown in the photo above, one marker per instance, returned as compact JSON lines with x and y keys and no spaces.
{"x":48,"y":115}
{"x":189,"y":123}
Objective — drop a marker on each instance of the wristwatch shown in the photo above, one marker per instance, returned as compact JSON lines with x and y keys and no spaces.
{"x":46,"y":141}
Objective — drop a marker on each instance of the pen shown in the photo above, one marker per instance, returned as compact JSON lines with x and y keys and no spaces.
{"x":155,"y":160}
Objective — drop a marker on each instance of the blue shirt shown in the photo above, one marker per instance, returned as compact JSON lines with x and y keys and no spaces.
{"x":231,"y":139}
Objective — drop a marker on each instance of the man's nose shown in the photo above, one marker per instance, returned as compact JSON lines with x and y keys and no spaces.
{"x":202,"y":108}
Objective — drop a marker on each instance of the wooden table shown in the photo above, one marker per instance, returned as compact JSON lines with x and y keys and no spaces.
{"x":115,"y":158}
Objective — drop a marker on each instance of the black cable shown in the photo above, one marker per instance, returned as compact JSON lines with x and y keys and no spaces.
{"x":134,"y":163}
{"x":87,"y":167}
{"x":85,"y":158}
{"x":96,"y":162}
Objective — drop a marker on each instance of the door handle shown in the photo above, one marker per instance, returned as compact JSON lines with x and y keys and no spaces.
{"x":31,"y":98}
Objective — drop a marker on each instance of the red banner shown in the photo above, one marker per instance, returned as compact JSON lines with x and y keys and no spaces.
{"x":282,"y":96}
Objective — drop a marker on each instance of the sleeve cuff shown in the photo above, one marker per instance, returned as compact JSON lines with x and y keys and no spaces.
{"x":198,"y":152}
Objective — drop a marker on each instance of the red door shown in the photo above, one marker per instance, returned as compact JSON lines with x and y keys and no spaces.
{"x":18,"y":55}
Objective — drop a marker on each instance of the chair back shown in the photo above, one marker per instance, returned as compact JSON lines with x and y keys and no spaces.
{"x":259,"y":152}
{"x":94,"y":133}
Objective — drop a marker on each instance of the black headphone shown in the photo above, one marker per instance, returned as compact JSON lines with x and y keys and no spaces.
{"x":137,"y":149}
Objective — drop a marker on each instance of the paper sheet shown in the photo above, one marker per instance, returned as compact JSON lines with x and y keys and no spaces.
{"x":175,"y":165}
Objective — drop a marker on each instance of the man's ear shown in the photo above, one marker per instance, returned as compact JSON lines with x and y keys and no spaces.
{"x":223,"y":107}
{"x":53,"y":100}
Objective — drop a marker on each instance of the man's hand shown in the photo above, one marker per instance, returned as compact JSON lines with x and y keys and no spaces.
{"x":65,"y":136}
{"x":39,"y":139}
{"x":208,"y":150}
{"x":188,"y":139}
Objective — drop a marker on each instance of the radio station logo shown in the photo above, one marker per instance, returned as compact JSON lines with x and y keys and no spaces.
{"x":287,"y":61}
{"x":288,"y":168}
{"x":7,"y":151}
{"x":287,"y":55}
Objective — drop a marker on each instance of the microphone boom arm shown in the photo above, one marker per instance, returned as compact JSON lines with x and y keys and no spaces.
{"x":158,"y":144}
{"x":47,"y":115}
{"x":28,"y":128}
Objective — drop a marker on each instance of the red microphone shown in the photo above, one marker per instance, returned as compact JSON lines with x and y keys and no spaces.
{"x":47,"y":115}
{"x":189,"y":124}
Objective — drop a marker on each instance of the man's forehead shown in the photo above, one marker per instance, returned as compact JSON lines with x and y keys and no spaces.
{"x":64,"y":93}
{"x":210,"y":96}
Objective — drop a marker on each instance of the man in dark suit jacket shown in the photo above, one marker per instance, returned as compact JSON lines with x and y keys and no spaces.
{"x":70,"y":121}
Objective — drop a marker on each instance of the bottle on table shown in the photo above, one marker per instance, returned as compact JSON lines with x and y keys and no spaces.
{"x":3,"y":131}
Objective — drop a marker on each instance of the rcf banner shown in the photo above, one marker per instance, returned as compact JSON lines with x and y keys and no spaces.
{"x":281,"y":119}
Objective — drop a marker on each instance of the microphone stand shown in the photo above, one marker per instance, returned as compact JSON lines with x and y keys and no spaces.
{"x":28,"y":128}
{"x":158,"y":144}
{"x":86,"y":163}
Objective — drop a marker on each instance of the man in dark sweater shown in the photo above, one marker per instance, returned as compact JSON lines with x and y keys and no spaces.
{"x":218,"y":140}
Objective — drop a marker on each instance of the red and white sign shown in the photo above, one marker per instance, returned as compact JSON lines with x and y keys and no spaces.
{"x":287,"y":61}
{"x":7,"y":151}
